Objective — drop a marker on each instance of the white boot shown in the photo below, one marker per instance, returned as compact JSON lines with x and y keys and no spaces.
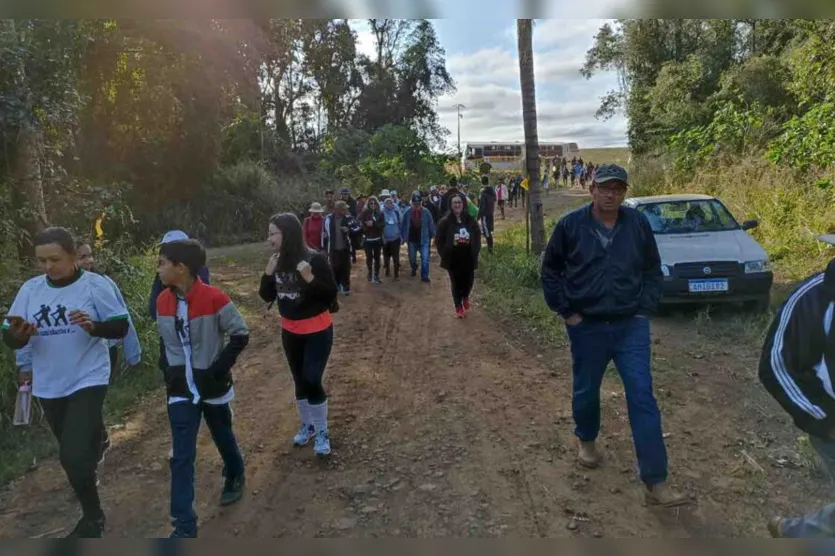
{"x":306,"y":431}
{"x":319,"y":416}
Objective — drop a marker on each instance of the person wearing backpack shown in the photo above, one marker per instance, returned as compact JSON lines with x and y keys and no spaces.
{"x":301,"y":282}
{"x":391,"y":238}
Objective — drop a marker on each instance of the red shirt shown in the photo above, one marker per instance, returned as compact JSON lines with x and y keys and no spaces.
{"x":312,"y":230}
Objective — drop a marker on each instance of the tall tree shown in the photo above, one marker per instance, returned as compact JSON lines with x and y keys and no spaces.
{"x":39,"y":62}
{"x":524,"y":30}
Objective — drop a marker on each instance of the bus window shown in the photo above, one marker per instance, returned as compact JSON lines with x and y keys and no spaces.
{"x":573,"y":147}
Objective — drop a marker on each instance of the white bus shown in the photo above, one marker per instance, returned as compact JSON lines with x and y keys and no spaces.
{"x":511,"y":155}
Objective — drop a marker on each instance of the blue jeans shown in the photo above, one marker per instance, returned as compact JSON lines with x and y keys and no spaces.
{"x":424,"y":257}
{"x":627,"y":342}
{"x":185,"y":423}
{"x":819,"y":524}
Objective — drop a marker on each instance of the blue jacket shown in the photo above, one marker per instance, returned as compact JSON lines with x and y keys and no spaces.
{"x":157,"y":288}
{"x":427,"y":226}
{"x":581,"y":275}
{"x":130,"y":343}
{"x":391,"y":230}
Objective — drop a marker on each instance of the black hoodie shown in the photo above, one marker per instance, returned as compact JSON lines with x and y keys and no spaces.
{"x":797,"y":365}
{"x":487,"y":202}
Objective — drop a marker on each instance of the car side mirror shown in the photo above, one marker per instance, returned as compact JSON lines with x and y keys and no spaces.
{"x":750,"y":224}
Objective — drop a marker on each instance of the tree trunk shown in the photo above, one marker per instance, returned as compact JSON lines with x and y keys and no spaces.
{"x":28,"y":188}
{"x":524,"y":29}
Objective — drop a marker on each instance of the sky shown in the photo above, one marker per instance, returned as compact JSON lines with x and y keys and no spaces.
{"x":482,"y":58}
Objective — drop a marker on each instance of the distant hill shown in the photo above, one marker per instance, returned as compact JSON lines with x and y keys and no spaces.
{"x":615,"y":155}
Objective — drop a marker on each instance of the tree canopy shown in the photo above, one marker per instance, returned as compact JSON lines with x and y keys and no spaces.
{"x":706,"y":90}
{"x":145,"y":119}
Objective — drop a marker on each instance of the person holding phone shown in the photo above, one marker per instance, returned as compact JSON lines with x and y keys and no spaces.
{"x":301,"y":281}
{"x":130,"y":343}
{"x":67,"y":315}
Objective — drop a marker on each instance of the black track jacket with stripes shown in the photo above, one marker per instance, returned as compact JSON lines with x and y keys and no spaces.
{"x":798,"y":358}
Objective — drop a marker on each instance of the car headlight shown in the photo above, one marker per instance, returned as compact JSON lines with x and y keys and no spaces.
{"x":665,"y":270}
{"x":756,"y":266}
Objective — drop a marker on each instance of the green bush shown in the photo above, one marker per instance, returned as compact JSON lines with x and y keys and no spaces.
{"x":235,"y":205}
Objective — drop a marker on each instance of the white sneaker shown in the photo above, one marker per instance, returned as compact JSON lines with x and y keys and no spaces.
{"x":306,"y":432}
{"x":322,"y":444}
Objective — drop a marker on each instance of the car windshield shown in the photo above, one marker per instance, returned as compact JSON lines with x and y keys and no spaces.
{"x":687,"y":217}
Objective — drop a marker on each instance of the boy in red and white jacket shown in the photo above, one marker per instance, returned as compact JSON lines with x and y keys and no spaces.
{"x":193,"y":320}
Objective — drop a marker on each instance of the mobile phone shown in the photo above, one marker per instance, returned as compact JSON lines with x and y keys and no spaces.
{"x":12,"y":319}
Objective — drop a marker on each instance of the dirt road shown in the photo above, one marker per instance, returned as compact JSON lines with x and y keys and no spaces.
{"x":443,"y":427}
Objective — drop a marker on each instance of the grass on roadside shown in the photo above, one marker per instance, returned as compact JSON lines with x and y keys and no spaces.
{"x":23,"y":447}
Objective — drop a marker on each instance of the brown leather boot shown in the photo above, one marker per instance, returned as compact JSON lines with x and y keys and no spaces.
{"x":775,"y":527}
{"x":663,"y":494}
{"x":588,"y":456}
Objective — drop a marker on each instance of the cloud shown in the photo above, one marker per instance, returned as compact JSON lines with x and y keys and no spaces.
{"x":488,"y":86}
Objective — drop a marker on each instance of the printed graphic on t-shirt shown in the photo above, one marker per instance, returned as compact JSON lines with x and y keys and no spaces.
{"x":53,"y":323}
{"x":462,"y":236}
{"x":182,"y":328}
{"x":287,"y":286}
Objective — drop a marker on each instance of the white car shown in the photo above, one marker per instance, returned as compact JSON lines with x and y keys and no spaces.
{"x":706,"y":255}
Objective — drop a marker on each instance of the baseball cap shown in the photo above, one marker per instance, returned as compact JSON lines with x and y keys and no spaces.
{"x":416,"y":197}
{"x":344,"y":190}
{"x":173,"y":235}
{"x":385,"y":193}
{"x":609,"y":172}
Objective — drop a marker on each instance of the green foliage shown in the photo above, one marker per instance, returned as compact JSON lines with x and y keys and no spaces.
{"x":394,"y":157}
{"x":731,"y":132}
{"x":807,"y":141}
{"x":718,"y":88}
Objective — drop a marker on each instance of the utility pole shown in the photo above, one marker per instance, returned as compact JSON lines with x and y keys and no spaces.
{"x":460,"y":116}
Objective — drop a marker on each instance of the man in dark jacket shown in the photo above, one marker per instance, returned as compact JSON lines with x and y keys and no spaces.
{"x":602,"y":274}
{"x":451,"y":192}
{"x":796,"y":367}
{"x":486,"y":208}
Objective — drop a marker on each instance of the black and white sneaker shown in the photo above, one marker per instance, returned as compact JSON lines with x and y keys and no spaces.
{"x":88,"y":529}
{"x":233,"y":490}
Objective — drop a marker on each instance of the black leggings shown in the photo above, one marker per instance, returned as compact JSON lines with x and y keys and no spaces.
{"x":391,"y":252}
{"x":461,"y":278}
{"x":373,"y":249}
{"x":76,"y":421}
{"x":307,"y":355}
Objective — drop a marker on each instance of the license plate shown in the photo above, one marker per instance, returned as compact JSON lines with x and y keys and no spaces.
{"x":708,"y":286}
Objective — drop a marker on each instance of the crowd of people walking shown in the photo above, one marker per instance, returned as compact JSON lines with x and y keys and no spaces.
{"x":601,"y":273}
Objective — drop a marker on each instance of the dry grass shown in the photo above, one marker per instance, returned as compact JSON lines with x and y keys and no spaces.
{"x":614,"y":155}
